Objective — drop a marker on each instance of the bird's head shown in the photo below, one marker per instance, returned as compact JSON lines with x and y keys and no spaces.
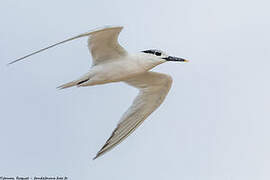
{"x":161,"y":56}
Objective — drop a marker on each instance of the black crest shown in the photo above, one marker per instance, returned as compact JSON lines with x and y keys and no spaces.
{"x":153,"y":51}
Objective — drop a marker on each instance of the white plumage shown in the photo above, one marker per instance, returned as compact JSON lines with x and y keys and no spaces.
{"x":112,"y":63}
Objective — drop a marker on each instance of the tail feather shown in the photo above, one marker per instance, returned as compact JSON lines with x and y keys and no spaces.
{"x":67,"y":85}
{"x":73,"y":83}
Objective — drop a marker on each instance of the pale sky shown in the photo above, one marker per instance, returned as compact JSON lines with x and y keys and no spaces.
{"x":214,"y":124}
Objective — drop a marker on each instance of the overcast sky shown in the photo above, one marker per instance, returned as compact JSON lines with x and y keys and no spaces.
{"x":214,"y":124}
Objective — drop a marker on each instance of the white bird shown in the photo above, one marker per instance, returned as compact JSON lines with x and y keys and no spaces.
{"x":112,"y":63}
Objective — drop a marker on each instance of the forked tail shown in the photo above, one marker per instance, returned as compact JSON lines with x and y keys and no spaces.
{"x":73,"y":83}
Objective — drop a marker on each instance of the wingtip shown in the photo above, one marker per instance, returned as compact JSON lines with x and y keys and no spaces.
{"x":100,"y":153}
{"x":94,"y":158}
{"x":8,"y":64}
{"x":16,"y":60}
{"x":97,"y":155}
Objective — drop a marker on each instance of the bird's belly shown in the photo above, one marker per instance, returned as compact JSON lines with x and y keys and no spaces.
{"x":115,"y":72}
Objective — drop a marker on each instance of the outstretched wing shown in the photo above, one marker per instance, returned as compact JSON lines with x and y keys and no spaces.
{"x":103,"y":43}
{"x":153,"y":89}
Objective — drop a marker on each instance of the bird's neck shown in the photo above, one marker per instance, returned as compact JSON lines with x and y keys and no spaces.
{"x":148,"y":62}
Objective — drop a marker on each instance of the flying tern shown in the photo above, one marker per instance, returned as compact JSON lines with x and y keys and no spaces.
{"x":112,"y":63}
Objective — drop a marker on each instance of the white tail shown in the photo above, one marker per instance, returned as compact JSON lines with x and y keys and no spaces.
{"x":78,"y":82}
{"x":67,"y":85}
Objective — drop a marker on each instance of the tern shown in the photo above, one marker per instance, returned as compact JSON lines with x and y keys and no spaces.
{"x":112,"y":63}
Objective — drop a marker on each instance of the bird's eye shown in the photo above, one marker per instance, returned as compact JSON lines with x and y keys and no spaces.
{"x":158,"y":53}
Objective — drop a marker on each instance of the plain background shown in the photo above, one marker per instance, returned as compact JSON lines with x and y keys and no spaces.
{"x":214,"y":123}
